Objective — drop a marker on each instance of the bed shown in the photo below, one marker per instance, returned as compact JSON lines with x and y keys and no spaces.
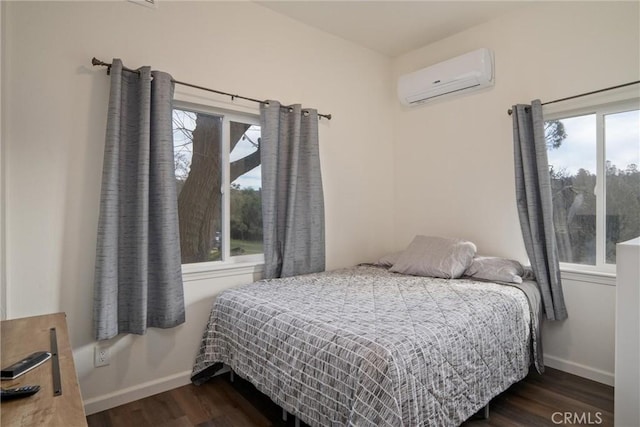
{"x":364,"y":346}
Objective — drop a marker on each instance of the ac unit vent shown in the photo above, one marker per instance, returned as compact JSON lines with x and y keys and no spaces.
{"x":467,"y":72}
{"x":153,"y":4}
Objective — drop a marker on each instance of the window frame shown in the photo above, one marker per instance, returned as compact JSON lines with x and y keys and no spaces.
{"x":239,"y":263}
{"x":600,"y":110}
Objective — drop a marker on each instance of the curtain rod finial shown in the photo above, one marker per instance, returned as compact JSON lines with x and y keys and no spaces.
{"x":509,"y":111}
{"x":95,"y":62}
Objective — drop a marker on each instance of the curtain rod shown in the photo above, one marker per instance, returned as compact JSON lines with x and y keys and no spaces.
{"x":510,"y":111}
{"x":97,"y":62}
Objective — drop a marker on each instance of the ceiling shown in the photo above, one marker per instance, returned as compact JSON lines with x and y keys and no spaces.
{"x":392,"y":27}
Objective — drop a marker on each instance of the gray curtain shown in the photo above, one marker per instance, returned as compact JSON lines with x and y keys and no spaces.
{"x":138,"y":277}
{"x":535,"y":209}
{"x":292,"y":197}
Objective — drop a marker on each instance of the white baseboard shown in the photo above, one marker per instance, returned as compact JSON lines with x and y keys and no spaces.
{"x":160,"y":385}
{"x":140,"y":391}
{"x":580,"y":370}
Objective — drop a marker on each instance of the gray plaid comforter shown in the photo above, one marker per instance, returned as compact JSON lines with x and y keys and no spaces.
{"x":366,"y":347}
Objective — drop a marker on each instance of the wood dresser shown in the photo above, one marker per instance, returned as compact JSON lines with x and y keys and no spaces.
{"x":20,"y":338}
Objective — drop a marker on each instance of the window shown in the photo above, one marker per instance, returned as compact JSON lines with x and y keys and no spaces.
{"x":217,"y":168}
{"x":594,"y":155}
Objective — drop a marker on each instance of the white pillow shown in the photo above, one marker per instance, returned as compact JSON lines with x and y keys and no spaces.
{"x":495,"y":269}
{"x":435,"y":257}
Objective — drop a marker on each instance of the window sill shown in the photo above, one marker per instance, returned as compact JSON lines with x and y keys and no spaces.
{"x":596,"y":277}
{"x":215,"y":270}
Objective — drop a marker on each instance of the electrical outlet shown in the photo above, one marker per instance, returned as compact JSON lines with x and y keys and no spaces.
{"x":100,"y":356}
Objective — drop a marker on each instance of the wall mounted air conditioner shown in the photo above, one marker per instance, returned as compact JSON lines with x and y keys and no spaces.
{"x":471,"y":71}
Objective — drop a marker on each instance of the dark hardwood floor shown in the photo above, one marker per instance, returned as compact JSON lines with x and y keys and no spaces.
{"x":538,"y":400}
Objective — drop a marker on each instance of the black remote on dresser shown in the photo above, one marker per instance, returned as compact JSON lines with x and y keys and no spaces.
{"x":18,"y":392}
{"x":25,"y":365}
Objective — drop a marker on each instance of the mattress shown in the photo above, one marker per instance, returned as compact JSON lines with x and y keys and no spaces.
{"x":366,"y":347}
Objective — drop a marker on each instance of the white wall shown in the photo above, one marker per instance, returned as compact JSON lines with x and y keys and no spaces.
{"x":454,"y":159}
{"x":55,"y":119}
